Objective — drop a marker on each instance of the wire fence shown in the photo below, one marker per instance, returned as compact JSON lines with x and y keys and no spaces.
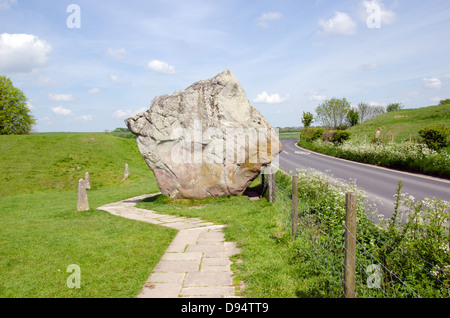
{"x":384,"y":266}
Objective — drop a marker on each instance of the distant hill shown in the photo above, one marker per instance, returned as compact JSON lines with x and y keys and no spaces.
{"x":403,"y":123}
{"x":55,"y":162}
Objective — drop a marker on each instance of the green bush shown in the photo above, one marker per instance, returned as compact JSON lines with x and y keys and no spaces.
{"x":328,"y":135}
{"x":394,"y":107}
{"x":311,"y":134}
{"x":340,"y":136}
{"x":435,"y":137}
{"x":336,"y":136}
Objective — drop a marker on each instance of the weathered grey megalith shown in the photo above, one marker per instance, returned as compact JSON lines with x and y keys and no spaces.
{"x":205,"y":141}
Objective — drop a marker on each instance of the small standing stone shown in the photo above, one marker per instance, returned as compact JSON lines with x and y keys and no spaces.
{"x":377,"y":134}
{"x":82,"y":204}
{"x":126,"y":174}
{"x":87,"y":179}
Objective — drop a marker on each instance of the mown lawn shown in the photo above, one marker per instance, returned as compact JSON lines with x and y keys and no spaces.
{"x":42,"y":233}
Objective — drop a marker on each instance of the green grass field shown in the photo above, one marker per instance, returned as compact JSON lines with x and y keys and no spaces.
{"x":42,"y":233}
{"x":45,"y":163}
{"x":401,"y":124}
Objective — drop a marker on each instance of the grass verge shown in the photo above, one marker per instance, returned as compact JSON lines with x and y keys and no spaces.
{"x":42,"y":234}
{"x":268,"y":267}
{"x":406,"y":157}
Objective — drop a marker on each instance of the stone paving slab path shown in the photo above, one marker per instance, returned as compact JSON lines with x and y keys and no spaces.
{"x":197,"y":262}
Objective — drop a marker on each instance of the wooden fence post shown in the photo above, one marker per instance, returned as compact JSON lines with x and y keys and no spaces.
{"x":263,"y":180}
{"x":274,"y":185}
{"x":270,"y":182}
{"x":350,"y":245}
{"x":294,"y":205}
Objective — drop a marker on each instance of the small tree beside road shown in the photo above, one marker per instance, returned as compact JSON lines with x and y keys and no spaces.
{"x":307,"y":119}
{"x":333,"y":113}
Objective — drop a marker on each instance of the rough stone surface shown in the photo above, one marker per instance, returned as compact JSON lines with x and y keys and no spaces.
{"x":205,"y":141}
{"x":87,"y":179}
{"x":82,"y":203}
{"x":126,"y":172}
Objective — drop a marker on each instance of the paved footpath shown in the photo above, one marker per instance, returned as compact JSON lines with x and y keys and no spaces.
{"x":196,"y":264}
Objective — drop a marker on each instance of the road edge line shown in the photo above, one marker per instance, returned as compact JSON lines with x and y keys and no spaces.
{"x":378,"y":167}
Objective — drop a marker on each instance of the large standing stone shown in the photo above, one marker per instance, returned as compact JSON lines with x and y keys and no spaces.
{"x":205,"y":141}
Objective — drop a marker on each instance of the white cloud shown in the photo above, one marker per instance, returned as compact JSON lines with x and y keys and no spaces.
{"x":370,"y":66}
{"x":22,"y":53}
{"x":161,"y":67}
{"x":341,"y":23}
{"x":94,"y":90}
{"x":122,"y":113}
{"x":61,"y":97}
{"x":116,"y":79}
{"x":265,"y":18}
{"x":6,"y":4}
{"x":46,"y":81}
{"x":436,"y":100}
{"x":317,"y":97}
{"x":264,"y":97}
{"x":118,"y":54}
{"x":46,"y":120}
{"x":62,"y":111}
{"x":387,"y":17}
{"x":30,"y":106}
{"x":86,"y":118}
{"x":432,"y":83}
{"x":127,"y":113}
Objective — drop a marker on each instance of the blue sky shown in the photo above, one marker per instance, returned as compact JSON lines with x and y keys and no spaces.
{"x":289,"y":56}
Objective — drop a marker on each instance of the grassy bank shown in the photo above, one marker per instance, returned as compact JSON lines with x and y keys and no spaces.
{"x":42,"y":233}
{"x":402,"y":124}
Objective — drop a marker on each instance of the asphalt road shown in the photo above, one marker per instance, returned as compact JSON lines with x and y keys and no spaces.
{"x":380,"y":184}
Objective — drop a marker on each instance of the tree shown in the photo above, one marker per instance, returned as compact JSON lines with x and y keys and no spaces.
{"x":333,"y":113}
{"x":394,"y":107}
{"x":376,"y":110}
{"x":15,"y":116}
{"x":363,"y":111}
{"x":366,"y":111}
{"x":444,"y":101}
{"x":307,"y":119}
{"x":352,"y":117}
